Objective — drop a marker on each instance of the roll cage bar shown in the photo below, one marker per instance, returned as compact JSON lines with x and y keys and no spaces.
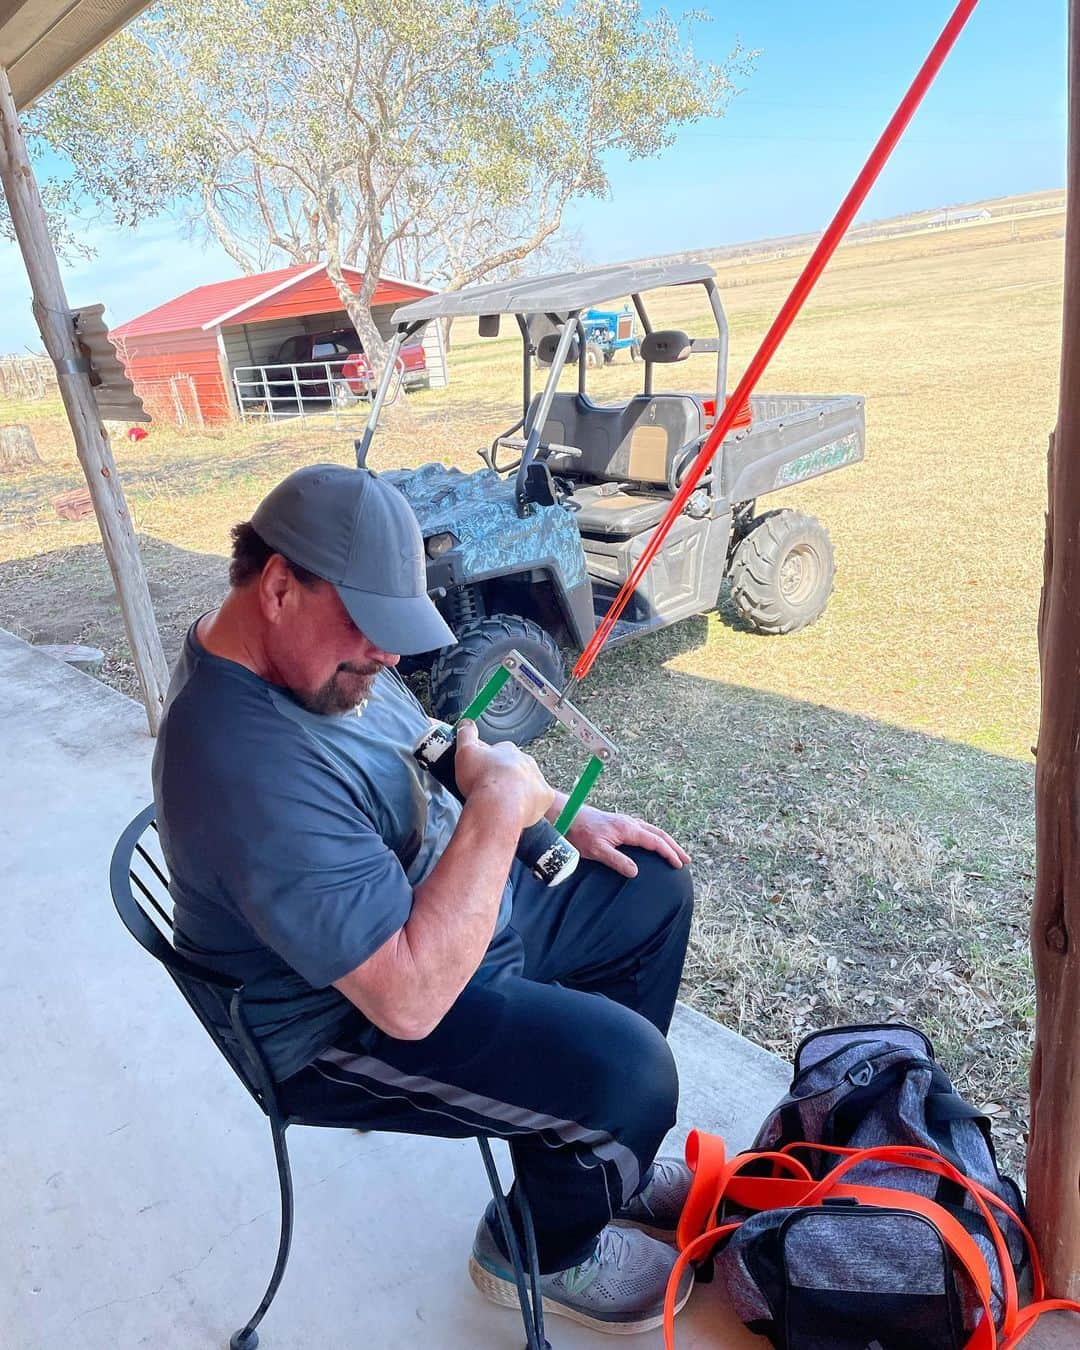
{"x":567,"y":323}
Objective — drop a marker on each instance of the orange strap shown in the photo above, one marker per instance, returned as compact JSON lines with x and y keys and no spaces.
{"x":1031,"y":1314}
{"x":991,"y":1198}
{"x":716,"y":1179}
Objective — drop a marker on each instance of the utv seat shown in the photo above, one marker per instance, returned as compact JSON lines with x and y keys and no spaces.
{"x":621,"y":479}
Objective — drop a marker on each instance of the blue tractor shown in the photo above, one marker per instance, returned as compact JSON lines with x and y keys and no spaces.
{"x":607,"y":331}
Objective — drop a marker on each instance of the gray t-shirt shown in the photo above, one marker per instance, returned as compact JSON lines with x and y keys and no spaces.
{"x":294,"y":840}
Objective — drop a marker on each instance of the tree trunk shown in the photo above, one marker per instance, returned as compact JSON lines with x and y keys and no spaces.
{"x":1054,"y":1151}
{"x":17,"y":448}
{"x":358,"y":308}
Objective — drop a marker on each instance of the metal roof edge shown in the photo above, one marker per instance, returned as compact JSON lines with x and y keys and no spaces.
{"x":556,"y":292}
{"x":258,"y":299}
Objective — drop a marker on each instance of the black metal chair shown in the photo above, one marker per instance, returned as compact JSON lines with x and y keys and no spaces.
{"x":218,"y":1002}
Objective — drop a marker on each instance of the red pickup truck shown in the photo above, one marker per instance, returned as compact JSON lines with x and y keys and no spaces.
{"x":339,"y":354}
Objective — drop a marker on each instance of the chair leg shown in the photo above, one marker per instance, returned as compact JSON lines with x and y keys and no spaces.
{"x":532,"y":1310}
{"x":248,"y":1338}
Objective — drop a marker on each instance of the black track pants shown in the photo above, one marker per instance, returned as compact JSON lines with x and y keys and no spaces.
{"x":557,"y":1043}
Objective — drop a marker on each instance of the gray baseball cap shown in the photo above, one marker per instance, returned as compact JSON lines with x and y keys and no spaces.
{"x":360,"y":534}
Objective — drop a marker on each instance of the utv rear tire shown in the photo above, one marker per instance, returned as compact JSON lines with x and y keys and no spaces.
{"x":459,"y":673}
{"x":782,"y":572}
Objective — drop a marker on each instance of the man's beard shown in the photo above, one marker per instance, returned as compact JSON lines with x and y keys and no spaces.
{"x":346,"y":689}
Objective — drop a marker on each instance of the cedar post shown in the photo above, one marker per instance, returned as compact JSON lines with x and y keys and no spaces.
{"x":91,"y":440}
{"x":1054,"y":1151}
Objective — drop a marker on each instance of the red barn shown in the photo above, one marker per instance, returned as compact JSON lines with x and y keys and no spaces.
{"x":181,"y":356}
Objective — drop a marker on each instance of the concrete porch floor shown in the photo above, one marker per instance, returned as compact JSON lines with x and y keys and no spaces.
{"x":140,"y":1201}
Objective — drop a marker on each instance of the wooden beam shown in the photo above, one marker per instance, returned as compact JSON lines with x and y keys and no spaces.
{"x":1054,"y":1149}
{"x":91,"y":440}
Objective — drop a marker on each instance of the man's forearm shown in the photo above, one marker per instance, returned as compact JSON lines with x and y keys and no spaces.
{"x":408,"y":986}
{"x":455,"y":908}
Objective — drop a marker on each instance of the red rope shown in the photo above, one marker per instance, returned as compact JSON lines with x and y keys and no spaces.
{"x":783,"y":321}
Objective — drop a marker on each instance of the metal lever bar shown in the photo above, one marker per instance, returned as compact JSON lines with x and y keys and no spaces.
{"x":552,"y":447}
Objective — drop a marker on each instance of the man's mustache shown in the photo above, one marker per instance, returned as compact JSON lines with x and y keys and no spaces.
{"x":351,"y":668}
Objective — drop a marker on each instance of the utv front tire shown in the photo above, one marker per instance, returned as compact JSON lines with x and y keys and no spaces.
{"x":460,"y":672}
{"x":782,"y":572}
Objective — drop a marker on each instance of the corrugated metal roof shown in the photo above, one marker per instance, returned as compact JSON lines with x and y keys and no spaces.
{"x":41,"y":40}
{"x":113,"y":392}
{"x":556,"y":293}
{"x":228,"y":301}
{"x":206,"y":304}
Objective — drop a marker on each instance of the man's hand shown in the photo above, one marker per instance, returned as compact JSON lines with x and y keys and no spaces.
{"x":512,"y":778}
{"x":597,"y":835}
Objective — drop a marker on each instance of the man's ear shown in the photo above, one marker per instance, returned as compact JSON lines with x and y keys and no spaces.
{"x":275,"y":582}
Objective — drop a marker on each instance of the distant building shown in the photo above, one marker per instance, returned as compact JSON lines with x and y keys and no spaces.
{"x":182,"y":356}
{"x":955,"y":215}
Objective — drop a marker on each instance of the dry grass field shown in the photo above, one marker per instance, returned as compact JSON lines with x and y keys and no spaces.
{"x":857,"y":797}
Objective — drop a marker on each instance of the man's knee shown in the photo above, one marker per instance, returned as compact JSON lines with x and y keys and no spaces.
{"x":665,"y":891}
{"x":636,"y":1073}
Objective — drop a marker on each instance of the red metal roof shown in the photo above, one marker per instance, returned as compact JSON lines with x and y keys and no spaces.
{"x":223,"y":301}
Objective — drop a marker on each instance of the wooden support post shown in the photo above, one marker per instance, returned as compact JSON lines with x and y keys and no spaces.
{"x":91,"y":440}
{"x":1054,"y":1150}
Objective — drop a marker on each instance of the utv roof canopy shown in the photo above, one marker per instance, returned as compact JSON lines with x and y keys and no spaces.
{"x":558,"y":293}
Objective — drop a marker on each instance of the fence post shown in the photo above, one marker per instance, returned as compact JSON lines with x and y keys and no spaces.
{"x":92,"y":446}
{"x":1054,"y":1151}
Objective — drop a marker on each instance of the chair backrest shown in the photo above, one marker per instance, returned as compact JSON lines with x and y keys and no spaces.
{"x":634,"y":441}
{"x":139,"y":881}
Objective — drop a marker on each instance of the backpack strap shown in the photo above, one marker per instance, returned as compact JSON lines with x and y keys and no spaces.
{"x":918,"y":1156}
{"x":716,"y":1179}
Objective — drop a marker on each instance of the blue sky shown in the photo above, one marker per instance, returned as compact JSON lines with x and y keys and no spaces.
{"x":828,"y":77}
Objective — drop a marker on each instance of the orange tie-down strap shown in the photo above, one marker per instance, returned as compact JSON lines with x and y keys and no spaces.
{"x":717,"y":1178}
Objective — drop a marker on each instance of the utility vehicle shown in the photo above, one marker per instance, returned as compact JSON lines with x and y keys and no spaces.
{"x":528,"y":551}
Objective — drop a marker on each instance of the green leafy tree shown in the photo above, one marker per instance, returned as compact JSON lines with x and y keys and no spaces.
{"x":452,"y":133}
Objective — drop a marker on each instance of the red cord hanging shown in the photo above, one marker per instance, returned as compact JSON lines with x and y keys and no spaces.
{"x":783,"y":321}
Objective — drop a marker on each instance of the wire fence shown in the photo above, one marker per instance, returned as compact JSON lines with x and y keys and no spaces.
{"x":26,"y":378}
{"x":174,"y":400}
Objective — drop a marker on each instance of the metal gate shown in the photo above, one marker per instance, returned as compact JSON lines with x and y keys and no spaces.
{"x":281,"y":391}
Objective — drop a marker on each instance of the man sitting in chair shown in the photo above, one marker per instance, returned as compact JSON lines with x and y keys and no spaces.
{"x":403,"y":970}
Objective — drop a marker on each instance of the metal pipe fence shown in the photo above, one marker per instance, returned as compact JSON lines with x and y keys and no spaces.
{"x":286,"y":391}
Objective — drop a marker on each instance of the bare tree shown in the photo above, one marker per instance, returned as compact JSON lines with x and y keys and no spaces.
{"x":451,"y":132}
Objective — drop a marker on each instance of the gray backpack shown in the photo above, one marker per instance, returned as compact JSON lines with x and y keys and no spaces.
{"x":870,"y":1213}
